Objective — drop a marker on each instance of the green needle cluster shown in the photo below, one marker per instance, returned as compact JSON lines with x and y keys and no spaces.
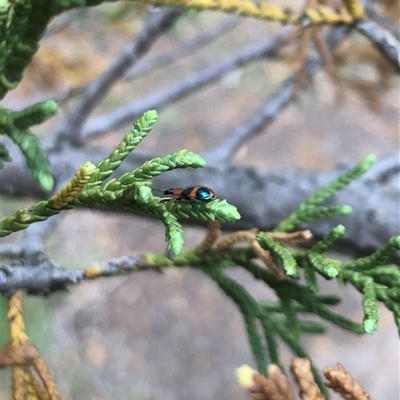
{"x":22,"y":25}
{"x":16,"y":124}
{"x":310,"y":210}
{"x":297,"y":295}
{"x":131,"y":191}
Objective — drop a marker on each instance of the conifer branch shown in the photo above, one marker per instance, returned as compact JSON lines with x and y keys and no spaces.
{"x":308,"y":210}
{"x":23,"y":25}
{"x":276,"y":386}
{"x":4,"y":155}
{"x":131,"y":191}
{"x":249,"y":309}
{"x":24,"y":383}
{"x":16,"y":124}
{"x":377,"y":280}
{"x":320,"y":14}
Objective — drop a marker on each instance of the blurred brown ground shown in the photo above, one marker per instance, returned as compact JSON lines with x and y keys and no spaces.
{"x":174,"y":336}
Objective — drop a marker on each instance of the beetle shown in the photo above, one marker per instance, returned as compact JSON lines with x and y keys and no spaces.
{"x":191,"y":193}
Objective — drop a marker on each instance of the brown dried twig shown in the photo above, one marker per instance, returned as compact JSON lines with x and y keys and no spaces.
{"x":308,"y":34}
{"x":342,"y":382}
{"x":212,"y":235}
{"x":249,"y":237}
{"x":46,"y":378}
{"x":21,"y":355}
{"x":292,"y":237}
{"x":275,"y":387}
{"x":308,"y":389}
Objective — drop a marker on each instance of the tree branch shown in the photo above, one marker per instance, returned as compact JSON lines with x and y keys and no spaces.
{"x":42,"y":277}
{"x":37,"y":277}
{"x":184,"y":87}
{"x":185,"y":48}
{"x":385,"y":22}
{"x":155,"y":25}
{"x":264,"y":199}
{"x":384,"y":41}
{"x":254,"y":125}
{"x":275,"y":103}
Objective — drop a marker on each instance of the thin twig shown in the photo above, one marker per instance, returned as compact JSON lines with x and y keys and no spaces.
{"x":155,"y":25}
{"x":184,"y":49}
{"x":383,"y":40}
{"x":212,"y":234}
{"x":42,"y":277}
{"x":385,"y":22}
{"x":184,"y":87}
{"x":275,"y":103}
{"x":240,"y":134}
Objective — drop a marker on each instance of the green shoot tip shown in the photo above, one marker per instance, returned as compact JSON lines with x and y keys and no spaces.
{"x":345,"y":210}
{"x":46,"y":181}
{"x":370,"y":326}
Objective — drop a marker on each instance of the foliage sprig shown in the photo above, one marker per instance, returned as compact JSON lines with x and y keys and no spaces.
{"x":265,"y":322}
{"x":130,"y":191}
{"x":23,"y":22}
{"x":282,"y":318}
{"x":308,"y":211}
{"x":283,"y":264}
{"x":16,"y":124}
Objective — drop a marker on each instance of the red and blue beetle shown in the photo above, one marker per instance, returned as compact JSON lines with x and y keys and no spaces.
{"x":192,"y":193}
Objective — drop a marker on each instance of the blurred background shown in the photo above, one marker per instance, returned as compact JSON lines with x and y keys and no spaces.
{"x":174,"y":336}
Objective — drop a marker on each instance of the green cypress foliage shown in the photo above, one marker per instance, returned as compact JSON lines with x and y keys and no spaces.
{"x":131,"y":191}
{"x":16,"y":124}
{"x":308,"y":210}
{"x":22,"y":24}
